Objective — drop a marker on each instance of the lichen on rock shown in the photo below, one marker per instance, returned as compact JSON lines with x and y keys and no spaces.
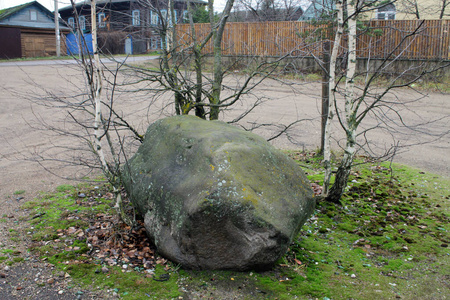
{"x":216,"y":197}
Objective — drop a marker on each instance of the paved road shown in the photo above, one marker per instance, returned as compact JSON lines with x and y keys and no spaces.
{"x":23,"y":86}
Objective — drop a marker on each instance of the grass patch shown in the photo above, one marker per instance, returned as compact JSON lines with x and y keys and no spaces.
{"x":65,"y":188}
{"x":390,"y":231}
{"x":19,"y":192}
{"x":129,"y":285}
{"x":313,"y":77}
{"x":67,"y":57}
{"x":37,"y":58}
{"x":7,"y":251}
{"x":10,"y":256}
{"x":58,"y":225}
{"x":388,"y":239}
{"x":17,"y":259}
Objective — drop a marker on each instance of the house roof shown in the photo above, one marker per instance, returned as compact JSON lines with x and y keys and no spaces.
{"x":11,"y":11}
{"x":101,"y":2}
{"x":7,"y":12}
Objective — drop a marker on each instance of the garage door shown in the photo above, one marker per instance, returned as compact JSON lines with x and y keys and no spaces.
{"x":10,"y":43}
{"x":33,"y":45}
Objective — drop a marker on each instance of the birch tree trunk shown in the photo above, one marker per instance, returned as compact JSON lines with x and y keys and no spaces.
{"x":217,"y":31}
{"x":349,"y":124}
{"x":96,"y":89}
{"x":331,"y":93}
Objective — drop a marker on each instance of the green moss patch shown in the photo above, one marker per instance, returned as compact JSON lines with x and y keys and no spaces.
{"x":77,"y":230}
{"x":388,"y":239}
{"x":19,"y":192}
{"x":391,"y":229}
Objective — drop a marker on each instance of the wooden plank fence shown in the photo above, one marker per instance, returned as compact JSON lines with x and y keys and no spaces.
{"x":376,"y":39}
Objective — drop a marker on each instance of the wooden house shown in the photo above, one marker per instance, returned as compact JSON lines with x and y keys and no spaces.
{"x":413,"y":9}
{"x":28,"y":30}
{"x":118,"y":20}
{"x":385,"y":10}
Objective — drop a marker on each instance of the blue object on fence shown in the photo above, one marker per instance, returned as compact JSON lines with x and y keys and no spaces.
{"x":76,"y":42}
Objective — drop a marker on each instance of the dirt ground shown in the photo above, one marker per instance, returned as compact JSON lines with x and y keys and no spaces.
{"x":22,"y":144}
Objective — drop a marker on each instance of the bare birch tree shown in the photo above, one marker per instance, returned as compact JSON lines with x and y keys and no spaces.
{"x":331,"y":87}
{"x":354,"y":103}
{"x":349,"y":124}
{"x":91,"y":112}
{"x":96,"y":91}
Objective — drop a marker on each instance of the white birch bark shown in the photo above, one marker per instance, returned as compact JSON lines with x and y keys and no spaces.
{"x":350,"y":113}
{"x":349,"y":123}
{"x":350,"y":72}
{"x":96,"y":89}
{"x":332,"y":92}
{"x":171,"y":37}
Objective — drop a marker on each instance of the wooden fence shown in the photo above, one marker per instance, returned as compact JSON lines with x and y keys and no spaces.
{"x":401,"y":39}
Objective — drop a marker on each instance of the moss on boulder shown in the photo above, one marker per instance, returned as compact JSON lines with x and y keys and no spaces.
{"x":216,"y":197}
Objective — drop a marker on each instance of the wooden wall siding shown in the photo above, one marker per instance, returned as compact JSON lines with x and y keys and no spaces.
{"x":39,"y":44}
{"x":303,"y":39}
{"x":120,"y":20}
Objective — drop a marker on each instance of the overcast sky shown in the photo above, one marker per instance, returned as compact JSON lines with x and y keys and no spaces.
{"x":50,"y":4}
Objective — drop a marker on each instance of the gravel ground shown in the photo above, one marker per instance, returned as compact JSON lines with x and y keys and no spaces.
{"x":38,"y":281}
{"x":32,"y":278}
{"x":21,"y":145}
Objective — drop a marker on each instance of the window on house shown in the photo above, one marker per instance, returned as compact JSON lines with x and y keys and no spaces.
{"x":153,"y":17}
{"x":71,"y":22}
{"x":82,"y":22}
{"x":33,"y":15}
{"x":101,"y":20}
{"x":169,"y":18}
{"x":164,"y":15}
{"x":154,"y":43}
{"x":386,"y":12}
{"x":136,"y":17}
{"x":185,"y":16}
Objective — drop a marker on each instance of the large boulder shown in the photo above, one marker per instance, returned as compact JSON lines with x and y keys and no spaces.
{"x":216,"y":197}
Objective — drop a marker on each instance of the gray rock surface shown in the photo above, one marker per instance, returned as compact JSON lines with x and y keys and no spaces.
{"x":216,"y":197}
